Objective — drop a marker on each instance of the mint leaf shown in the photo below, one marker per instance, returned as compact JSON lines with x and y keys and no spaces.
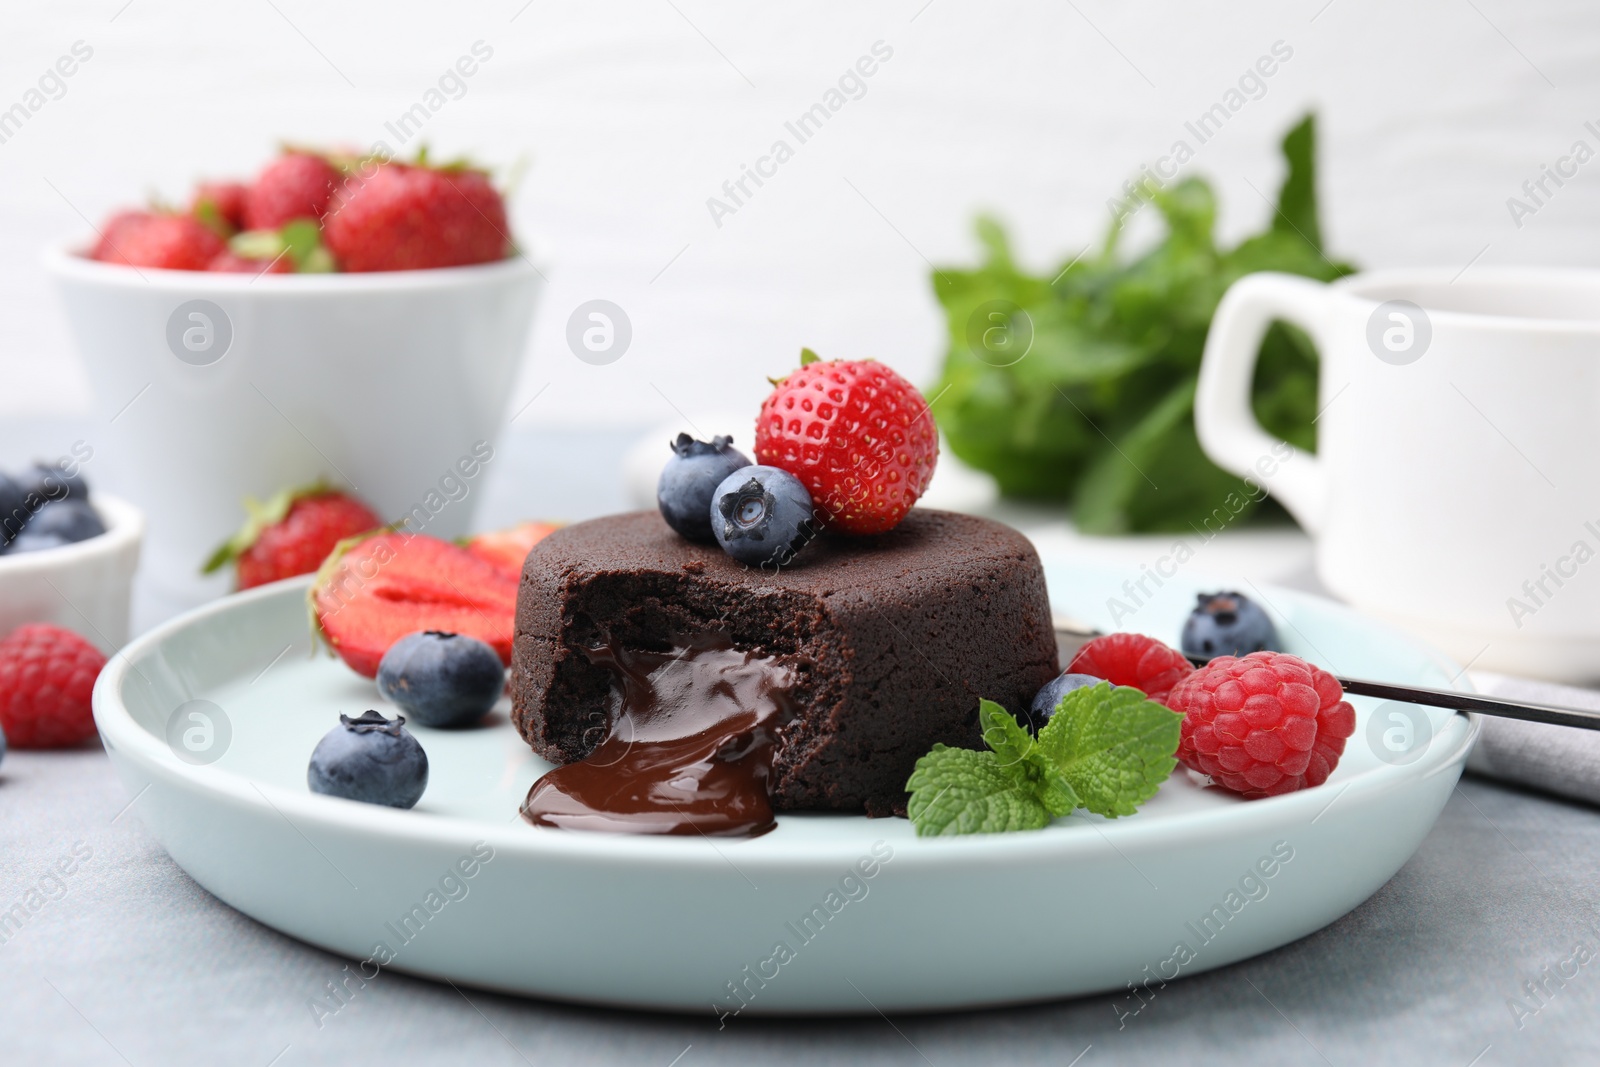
{"x":1107,"y":749}
{"x":960,"y":791}
{"x":1015,"y":749}
{"x":1297,"y":197}
{"x":1002,"y":733}
{"x":1055,"y":792}
{"x":1113,"y":745}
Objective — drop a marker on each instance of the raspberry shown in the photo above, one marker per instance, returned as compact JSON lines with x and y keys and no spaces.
{"x":857,"y":435}
{"x":1263,"y":724}
{"x":46,"y":676}
{"x":1133,"y":659}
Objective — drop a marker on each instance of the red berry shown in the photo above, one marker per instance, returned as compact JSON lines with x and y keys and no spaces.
{"x":507,"y":549}
{"x":113,"y":231}
{"x":1263,"y":724}
{"x":1133,"y":659}
{"x":857,"y":435}
{"x":292,"y":534}
{"x":222,"y":200}
{"x":46,"y":677}
{"x":169,"y":242}
{"x":393,"y":584}
{"x":293,"y":186}
{"x":230,"y":263}
{"x":400,"y":217}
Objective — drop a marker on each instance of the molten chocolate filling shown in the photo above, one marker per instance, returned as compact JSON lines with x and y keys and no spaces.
{"x":687,"y":749}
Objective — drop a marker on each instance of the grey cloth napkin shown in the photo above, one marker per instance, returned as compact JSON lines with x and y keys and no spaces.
{"x":1563,"y":760}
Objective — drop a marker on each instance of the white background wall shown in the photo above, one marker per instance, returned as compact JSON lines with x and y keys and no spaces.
{"x":633,"y":113}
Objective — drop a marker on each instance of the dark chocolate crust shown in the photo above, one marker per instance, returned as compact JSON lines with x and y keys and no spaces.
{"x":896,"y":637}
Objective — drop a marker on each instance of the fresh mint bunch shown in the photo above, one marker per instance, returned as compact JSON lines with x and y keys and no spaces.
{"x":1077,"y":385}
{"x":1106,"y":749}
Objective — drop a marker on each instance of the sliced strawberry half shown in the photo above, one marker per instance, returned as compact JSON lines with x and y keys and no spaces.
{"x":508,"y":548}
{"x":374,"y":590}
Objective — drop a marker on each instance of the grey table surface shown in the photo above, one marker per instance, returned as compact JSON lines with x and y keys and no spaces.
{"x":129,"y":961}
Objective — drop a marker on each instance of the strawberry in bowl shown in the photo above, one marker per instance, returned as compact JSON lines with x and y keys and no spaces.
{"x":316,"y":212}
{"x":336,"y":314}
{"x":403,"y":217}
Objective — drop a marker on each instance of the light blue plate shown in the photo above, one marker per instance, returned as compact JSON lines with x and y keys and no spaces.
{"x":828,"y":913}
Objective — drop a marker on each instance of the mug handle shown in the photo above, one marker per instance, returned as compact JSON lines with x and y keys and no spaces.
{"x":1223,"y":418}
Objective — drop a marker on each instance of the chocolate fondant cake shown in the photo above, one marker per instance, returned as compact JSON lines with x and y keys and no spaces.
{"x":875,"y":647}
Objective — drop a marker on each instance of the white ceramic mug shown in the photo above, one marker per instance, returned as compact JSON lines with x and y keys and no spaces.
{"x":212,"y":387}
{"x":1456,"y":485}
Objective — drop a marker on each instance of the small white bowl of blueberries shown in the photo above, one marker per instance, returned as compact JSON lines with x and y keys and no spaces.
{"x":66,"y":557}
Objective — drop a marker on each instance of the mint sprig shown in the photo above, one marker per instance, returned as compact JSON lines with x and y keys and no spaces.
{"x":1010,"y":787}
{"x":961,"y":791}
{"x":1106,"y":749}
{"x":1114,"y":744}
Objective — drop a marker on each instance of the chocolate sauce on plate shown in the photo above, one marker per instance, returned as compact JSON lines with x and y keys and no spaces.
{"x":687,"y":750}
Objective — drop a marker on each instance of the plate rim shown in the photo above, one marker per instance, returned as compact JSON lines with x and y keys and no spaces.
{"x":331,"y":814}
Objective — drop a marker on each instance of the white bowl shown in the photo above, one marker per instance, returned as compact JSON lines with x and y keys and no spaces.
{"x":84,"y":587}
{"x":382,"y":382}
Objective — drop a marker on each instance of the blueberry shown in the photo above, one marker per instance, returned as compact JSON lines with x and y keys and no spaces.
{"x":13,"y":508}
{"x":71,"y":520}
{"x":48,"y":481}
{"x":688,"y":480}
{"x":370,"y":759}
{"x":35,"y":541}
{"x":762,"y":515}
{"x":1045,"y":701}
{"x":1227,"y":624}
{"x":442,"y":679}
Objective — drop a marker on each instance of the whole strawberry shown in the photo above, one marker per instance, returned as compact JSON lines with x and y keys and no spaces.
{"x":291,"y":534}
{"x":1263,"y":724}
{"x":113,"y":232}
{"x":296,"y":185}
{"x":856,"y":434}
{"x":233,"y":263}
{"x":396,"y":216}
{"x":151,"y":239}
{"x":220,"y":205}
{"x":46,"y":677}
